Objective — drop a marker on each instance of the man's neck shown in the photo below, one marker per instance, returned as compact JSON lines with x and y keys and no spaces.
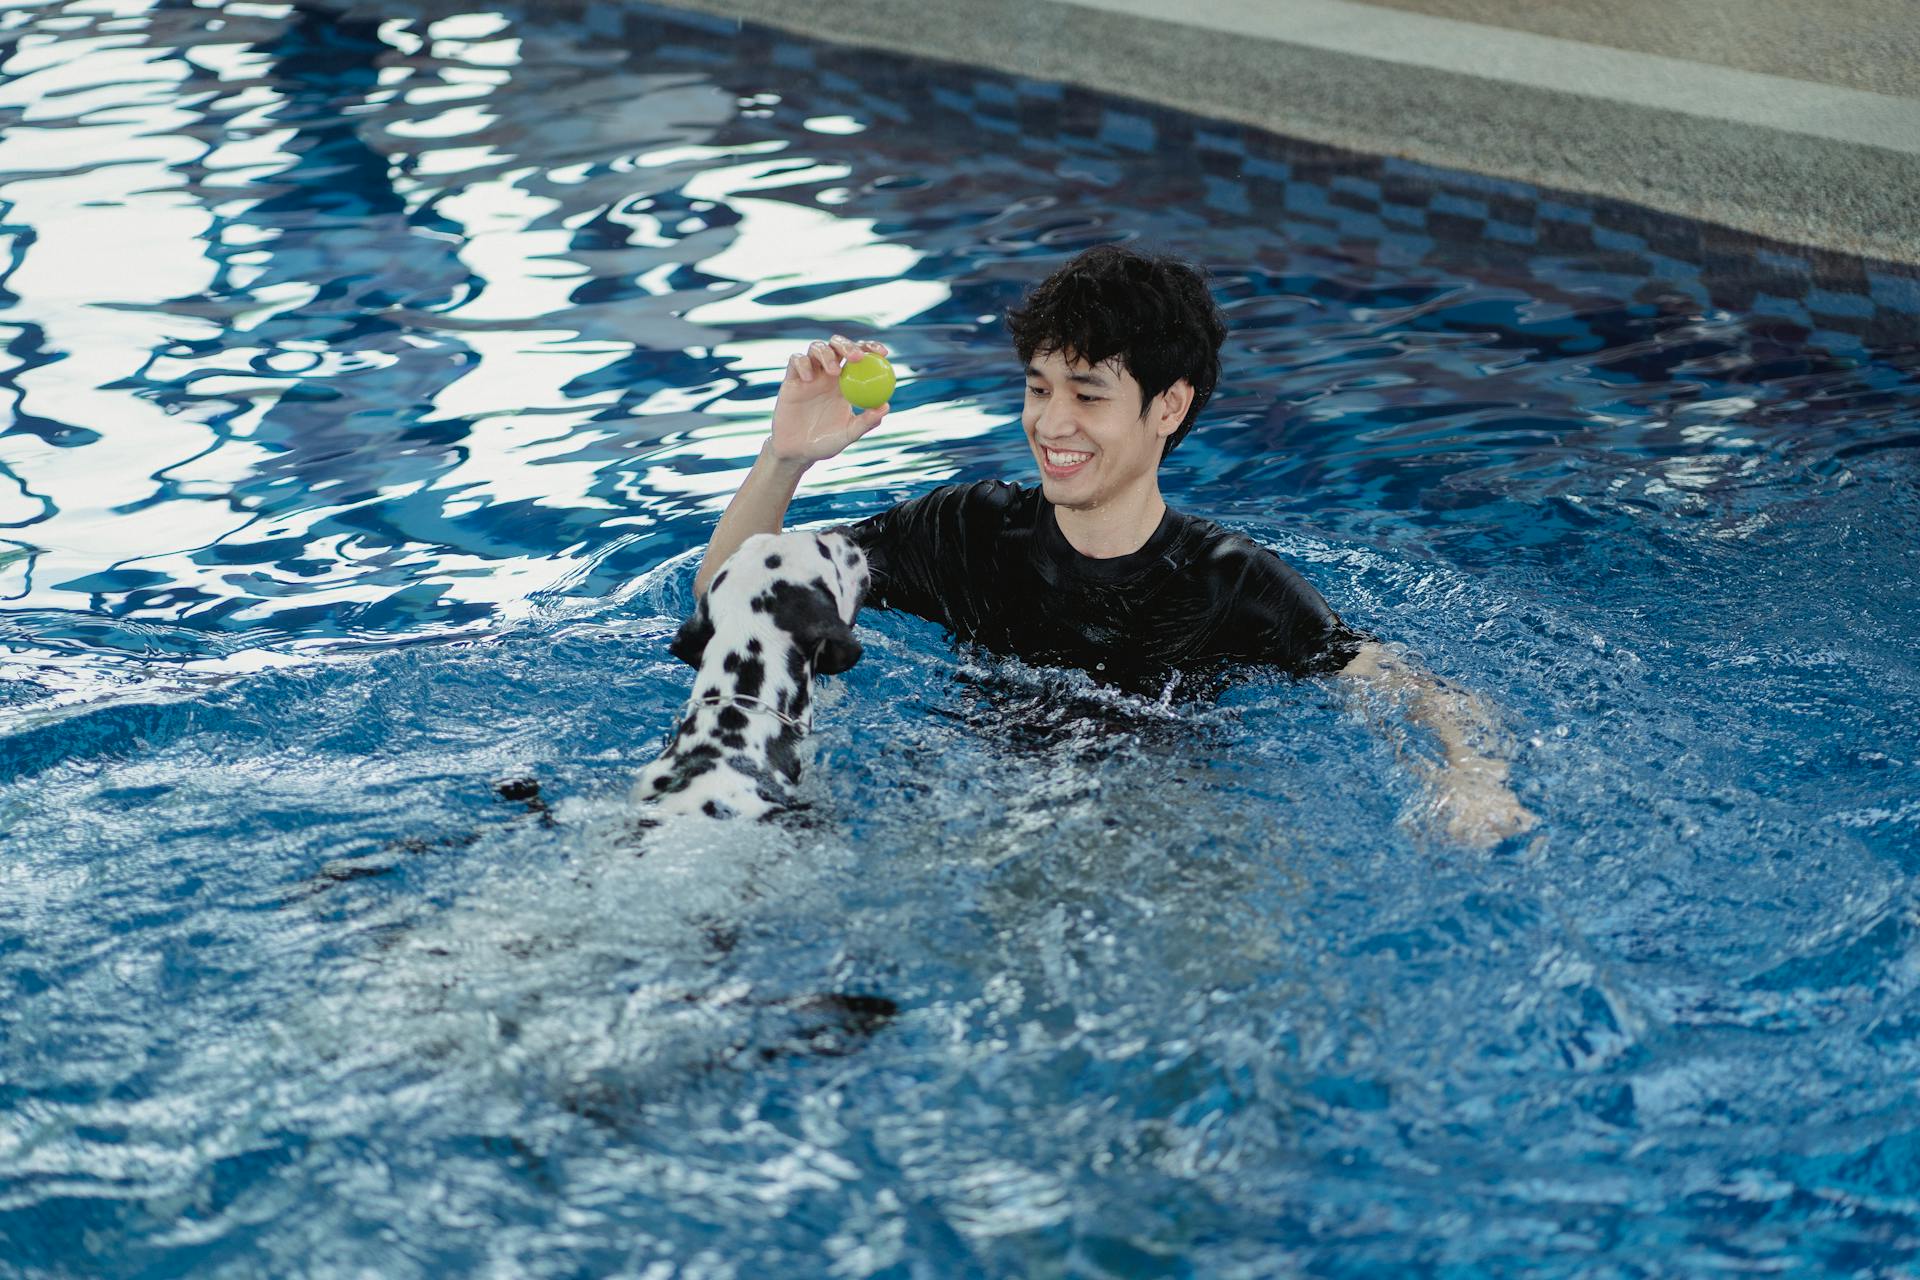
{"x":1117,"y":528}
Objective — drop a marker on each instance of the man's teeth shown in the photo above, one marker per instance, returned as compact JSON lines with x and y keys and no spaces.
{"x":1059,"y":459}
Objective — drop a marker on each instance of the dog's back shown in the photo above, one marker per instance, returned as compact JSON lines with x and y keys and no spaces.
{"x":779,"y":613}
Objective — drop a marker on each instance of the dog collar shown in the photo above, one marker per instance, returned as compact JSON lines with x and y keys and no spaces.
{"x":742,"y":700}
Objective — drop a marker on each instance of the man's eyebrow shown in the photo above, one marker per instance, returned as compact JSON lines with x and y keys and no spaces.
{"x":1092,"y":377}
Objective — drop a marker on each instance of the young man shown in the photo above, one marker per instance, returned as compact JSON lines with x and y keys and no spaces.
{"x":1092,"y":569}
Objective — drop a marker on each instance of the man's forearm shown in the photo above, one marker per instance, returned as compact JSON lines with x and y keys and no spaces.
{"x":1457,"y":719}
{"x":1479,"y":805}
{"x":759,"y":507}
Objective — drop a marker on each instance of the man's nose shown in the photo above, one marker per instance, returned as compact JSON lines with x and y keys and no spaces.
{"x":1053,"y":421}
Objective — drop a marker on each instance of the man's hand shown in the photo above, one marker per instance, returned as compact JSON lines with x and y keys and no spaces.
{"x":1475,"y":804}
{"x":812,"y":421}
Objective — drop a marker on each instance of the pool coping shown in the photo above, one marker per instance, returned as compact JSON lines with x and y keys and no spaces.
{"x":1795,"y":162}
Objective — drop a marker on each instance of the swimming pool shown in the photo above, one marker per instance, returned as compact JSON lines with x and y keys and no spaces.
{"x":373,"y":383}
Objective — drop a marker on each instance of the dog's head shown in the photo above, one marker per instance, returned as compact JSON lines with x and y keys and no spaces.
{"x":806,"y":585}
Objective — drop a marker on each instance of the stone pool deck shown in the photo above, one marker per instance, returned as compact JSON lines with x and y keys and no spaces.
{"x":1794,"y":122}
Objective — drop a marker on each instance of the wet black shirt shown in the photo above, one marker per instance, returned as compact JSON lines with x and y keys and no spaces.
{"x":988,"y":562}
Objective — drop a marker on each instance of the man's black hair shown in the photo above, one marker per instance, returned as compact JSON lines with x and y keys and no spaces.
{"x":1153,"y":312}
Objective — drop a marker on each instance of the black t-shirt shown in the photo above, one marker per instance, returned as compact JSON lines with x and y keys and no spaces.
{"x":988,"y":562}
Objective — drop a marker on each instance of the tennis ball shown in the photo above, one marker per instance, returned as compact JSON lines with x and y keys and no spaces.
{"x":867,"y":383}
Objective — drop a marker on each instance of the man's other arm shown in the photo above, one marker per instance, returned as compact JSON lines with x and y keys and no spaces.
{"x":1470,"y":787}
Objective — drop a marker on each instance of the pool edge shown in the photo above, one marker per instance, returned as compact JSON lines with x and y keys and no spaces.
{"x":1798,"y":189}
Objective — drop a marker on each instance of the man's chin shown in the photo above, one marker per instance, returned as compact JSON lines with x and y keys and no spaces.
{"x":1064,"y":491}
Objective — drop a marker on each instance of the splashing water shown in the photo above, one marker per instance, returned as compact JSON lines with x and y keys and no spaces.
{"x":373,"y":380}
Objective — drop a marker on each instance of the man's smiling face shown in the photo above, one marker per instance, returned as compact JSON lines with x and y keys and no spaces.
{"x":1086,"y":430}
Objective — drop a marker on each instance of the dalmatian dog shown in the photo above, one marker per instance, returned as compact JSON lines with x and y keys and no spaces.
{"x":778,"y":614}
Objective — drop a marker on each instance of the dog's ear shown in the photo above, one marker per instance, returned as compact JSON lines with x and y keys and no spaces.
{"x":690,"y":645}
{"x":809,"y":615}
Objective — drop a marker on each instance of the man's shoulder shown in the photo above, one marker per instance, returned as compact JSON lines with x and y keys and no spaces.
{"x":996,"y":496}
{"x":951,"y":516}
{"x":1242,"y":569}
{"x":985,"y":502}
{"x":1214,"y":548}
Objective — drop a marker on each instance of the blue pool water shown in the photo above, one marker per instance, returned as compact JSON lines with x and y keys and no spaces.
{"x":371,"y":382}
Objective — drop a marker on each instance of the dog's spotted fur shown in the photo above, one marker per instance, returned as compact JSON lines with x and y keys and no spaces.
{"x":779,"y":613}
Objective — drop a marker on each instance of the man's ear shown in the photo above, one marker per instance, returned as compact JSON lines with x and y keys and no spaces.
{"x":690,"y":645}
{"x":1171,"y":408}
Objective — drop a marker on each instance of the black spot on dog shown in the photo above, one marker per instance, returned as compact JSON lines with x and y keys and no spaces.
{"x":797,"y":666}
{"x":711,"y":808}
{"x":689,"y":770}
{"x":750,"y":678}
{"x":821,"y":547}
{"x":737,"y":741}
{"x":731,"y":662}
{"x":754,"y":647}
{"x":853,"y":558}
{"x":705,"y":751}
{"x":718,"y":578}
{"x":687,"y":726}
{"x":732,"y":718}
{"x":781,"y":755}
{"x":747,"y":766}
{"x":660,"y":783}
{"x":773,"y":562}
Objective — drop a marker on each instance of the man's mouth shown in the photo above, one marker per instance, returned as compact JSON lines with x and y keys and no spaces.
{"x":1061,"y":461}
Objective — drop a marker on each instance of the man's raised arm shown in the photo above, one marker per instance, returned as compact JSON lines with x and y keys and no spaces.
{"x":812,"y":421}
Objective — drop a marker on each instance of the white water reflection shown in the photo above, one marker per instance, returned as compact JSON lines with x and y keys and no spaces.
{"x":245,"y":288}
{"x":108,"y":237}
{"x":840,"y":249}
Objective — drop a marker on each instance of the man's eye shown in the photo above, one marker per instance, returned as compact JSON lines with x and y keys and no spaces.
{"x":1091,"y":399}
{"x":1036,"y":391}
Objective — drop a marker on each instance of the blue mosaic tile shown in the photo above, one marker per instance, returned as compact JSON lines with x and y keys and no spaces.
{"x":1447,"y":202}
{"x":1259,"y":167}
{"x":1826,"y":302}
{"x":1767,"y":304}
{"x":1121,"y":129}
{"x":1230,"y":197}
{"x":1901,"y":293}
{"x":1404,"y":214}
{"x":1555,"y":211}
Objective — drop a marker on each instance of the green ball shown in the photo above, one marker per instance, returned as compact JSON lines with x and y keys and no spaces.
{"x":867,"y":383}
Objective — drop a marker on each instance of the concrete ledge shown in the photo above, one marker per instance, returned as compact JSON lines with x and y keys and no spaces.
{"x":1793,"y":160}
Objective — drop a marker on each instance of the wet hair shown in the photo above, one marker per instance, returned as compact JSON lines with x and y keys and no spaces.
{"x":1153,"y":313}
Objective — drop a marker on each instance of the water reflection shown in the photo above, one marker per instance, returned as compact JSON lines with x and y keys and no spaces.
{"x":381,"y":327}
{"x":327,"y":327}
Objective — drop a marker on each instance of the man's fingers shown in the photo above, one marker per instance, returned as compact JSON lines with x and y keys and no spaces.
{"x":828,"y":356}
